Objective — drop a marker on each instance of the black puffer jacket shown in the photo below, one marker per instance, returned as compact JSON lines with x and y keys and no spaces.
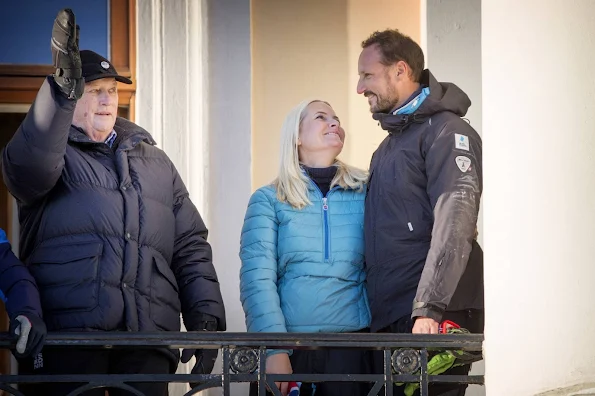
{"x":421,"y":211}
{"x":110,"y":236}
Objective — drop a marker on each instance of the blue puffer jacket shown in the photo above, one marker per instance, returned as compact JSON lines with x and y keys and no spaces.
{"x":303,"y":270}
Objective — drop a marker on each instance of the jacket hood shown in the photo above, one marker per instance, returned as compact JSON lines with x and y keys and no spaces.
{"x":443,"y":97}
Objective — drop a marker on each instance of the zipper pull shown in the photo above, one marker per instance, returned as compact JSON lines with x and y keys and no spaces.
{"x":324,"y":204}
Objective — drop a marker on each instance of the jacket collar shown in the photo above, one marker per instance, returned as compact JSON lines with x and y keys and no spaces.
{"x":442,"y":97}
{"x":129,"y":135}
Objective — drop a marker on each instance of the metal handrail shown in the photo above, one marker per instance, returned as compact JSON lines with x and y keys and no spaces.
{"x":244,"y":358}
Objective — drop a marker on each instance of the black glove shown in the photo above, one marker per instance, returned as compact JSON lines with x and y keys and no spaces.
{"x":205,"y":358}
{"x":30,"y":332}
{"x":205,"y":361}
{"x":66,"y":56}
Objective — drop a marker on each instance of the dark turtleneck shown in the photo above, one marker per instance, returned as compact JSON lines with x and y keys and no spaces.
{"x":322,"y":177}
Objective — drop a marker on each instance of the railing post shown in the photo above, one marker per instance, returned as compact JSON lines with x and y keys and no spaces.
{"x":388,"y":380}
{"x":226,"y":368}
{"x":424,"y":373}
{"x":262,"y":366}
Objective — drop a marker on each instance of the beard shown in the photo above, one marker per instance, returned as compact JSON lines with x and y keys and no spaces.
{"x":384,"y":103}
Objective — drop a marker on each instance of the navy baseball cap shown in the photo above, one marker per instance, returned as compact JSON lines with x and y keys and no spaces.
{"x":96,"y":66}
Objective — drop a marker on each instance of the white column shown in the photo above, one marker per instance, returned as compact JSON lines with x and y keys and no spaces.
{"x":453,"y":48}
{"x":171,"y":96}
{"x":149,"y":95}
{"x":230,"y":142}
{"x":539,"y":215}
{"x":230,"y":146}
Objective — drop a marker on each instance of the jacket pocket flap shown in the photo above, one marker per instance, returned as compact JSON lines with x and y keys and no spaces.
{"x":166,"y":272}
{"x":66,"y":253}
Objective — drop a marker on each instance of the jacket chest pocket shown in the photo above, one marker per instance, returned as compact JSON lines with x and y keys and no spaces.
{"x":413,"y":185}
{"x":406,"y":199}
{"x":67,"y":276}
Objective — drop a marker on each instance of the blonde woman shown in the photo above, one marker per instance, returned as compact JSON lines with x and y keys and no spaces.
{"x":302,"y":251}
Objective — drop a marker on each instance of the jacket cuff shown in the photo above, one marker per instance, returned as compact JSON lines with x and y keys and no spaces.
{"x":271,"y":352}
{"x":200,"y":322}
{"x":3,"y":238}
{"x":27,"y":314}
{"x":426,"y":310}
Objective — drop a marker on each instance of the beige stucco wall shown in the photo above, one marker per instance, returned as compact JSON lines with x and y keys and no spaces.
{"x":310,"y":49}
{"x":364,"y":17}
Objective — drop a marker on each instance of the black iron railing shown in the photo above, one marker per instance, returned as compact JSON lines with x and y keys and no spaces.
{"x":405,"y":359}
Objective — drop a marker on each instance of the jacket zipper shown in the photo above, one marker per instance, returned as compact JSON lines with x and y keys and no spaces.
{"x":326,"y":230}
{"x":325,"y":219}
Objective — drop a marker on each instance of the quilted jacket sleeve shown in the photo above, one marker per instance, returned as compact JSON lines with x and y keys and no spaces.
{"x":33,"y":160}
{"x":258,"y":274}
{"x":200,"y":292}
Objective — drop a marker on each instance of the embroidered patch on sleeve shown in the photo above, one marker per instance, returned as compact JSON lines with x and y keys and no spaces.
{"x":461,"y":142}
{"x":464,"y":163}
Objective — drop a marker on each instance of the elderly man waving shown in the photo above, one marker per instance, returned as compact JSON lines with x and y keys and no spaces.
{"x":108,"y":230}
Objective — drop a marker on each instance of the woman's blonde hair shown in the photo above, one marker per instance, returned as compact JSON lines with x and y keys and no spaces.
{"x":292,"y":183}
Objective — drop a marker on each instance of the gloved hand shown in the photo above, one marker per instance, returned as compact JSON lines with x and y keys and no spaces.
{"x":66,"y":56}
{"x":205,"y":358}
{"x":205,"y":361}
{"x":30,"y":332}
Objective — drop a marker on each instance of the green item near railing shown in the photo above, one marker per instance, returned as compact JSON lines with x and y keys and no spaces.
{"x":437,"y":365}
{"x":442,"y":362}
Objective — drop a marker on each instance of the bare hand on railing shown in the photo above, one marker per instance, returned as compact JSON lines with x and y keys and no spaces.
{"x":280,"y":364}
{"x":425,"y":326}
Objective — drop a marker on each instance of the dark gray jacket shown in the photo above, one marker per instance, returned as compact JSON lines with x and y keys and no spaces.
{"x":421,"y":211}
{"x":110,"y":236}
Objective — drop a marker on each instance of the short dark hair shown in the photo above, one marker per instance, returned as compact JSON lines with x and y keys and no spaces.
{"x":395,"y":47}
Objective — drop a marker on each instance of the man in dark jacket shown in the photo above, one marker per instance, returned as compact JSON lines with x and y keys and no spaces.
{"x":423,"y":262}
{"x":19,"y":293}
{"x":108,"y":230}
